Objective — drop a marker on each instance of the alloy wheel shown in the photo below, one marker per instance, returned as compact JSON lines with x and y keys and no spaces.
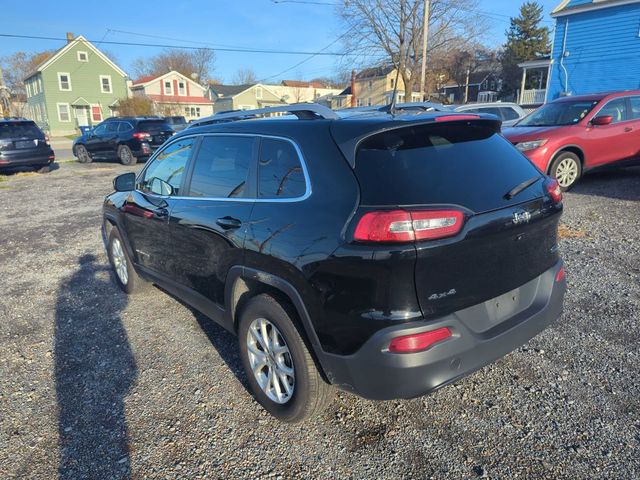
{"x":270,"y":360}
{"x":567,"y":172}
{"x":119,"y":261}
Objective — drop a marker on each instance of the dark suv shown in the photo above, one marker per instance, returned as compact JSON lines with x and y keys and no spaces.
{"x":126,"y":138}
{"x":385,"y":254}
{"x":23,"y":144}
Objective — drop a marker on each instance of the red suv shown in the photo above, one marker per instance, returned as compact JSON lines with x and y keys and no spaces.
{"x":573,"y":135}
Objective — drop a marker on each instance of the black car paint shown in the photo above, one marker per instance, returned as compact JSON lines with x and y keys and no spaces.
{"x":40,"y":154}
{"x":104,"y":144}
{"x":345,"y":293}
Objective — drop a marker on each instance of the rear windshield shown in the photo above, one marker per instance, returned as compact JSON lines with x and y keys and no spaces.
{"x":175,"y":120}
{"x":153,"y":126}
{"x":468,"y":165}
{"x":19,"y":129}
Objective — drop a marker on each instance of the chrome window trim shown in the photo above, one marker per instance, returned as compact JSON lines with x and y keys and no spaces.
{"x":305,"y":172}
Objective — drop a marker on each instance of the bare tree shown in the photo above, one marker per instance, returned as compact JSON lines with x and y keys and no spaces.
{"x":392,"y":30}
{"x":197,"y":64}
{"x":18,"y":66}
{"x":245,"y":76}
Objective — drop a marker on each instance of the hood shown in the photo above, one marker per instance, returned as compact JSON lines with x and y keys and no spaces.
{"x":527,"y":134}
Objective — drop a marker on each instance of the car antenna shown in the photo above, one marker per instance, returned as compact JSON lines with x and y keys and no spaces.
{"x":392,"y":105}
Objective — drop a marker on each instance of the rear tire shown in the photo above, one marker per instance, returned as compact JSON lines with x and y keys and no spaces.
{"x":125,"y":155}
{"x":83,"y":154}
{"x":566,"y":169}
{"x":125,"y":275}
{"x":291,"y":388}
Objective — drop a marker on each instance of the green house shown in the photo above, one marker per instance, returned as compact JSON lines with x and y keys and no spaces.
{"x":77,"y":86}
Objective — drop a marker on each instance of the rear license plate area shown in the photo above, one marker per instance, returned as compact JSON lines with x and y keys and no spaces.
{"x":26,"y":144}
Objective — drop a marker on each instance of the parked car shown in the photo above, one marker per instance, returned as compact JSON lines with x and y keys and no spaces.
{"x":509,"y":113}
{"x":128,"y":139}
{"x":23,"y":144}
{"x":177,"y":123}
{"x":572,"y":135}
{"x":387,"y":256}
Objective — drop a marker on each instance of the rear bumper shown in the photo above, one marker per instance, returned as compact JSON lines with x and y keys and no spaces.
{"x":26,"y":159}
{"x":375,"y":373}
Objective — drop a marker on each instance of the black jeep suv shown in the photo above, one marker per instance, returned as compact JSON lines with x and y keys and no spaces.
{"x":23,"y":144}
{"x":126,"y":138}
{"x":387,"y":255}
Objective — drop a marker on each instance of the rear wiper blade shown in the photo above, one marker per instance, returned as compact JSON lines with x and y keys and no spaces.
{"x":521,"y":187}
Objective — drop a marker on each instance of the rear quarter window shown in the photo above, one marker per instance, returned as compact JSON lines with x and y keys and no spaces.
{"x":280,"y":172}
{"x":469,"y":165}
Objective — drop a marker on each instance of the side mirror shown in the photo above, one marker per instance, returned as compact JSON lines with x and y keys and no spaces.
{"x":602,"y":120}
{"x":125,"y":182}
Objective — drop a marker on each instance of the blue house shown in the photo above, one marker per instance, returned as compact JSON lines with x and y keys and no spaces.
{"x":596,"y":48}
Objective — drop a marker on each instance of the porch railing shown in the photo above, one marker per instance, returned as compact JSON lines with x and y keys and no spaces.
{"x":532,"y":97}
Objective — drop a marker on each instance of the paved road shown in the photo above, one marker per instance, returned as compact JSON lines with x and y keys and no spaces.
{"x":95,"y":384}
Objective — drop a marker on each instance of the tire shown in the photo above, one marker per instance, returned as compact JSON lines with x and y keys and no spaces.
{"x":308,"y":393}
{"x":125,"y":275}
{"x":566,"y":169}
{"x":125,"y":155}
{"x":82,"y":154}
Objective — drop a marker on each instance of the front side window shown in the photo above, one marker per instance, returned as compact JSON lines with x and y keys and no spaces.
{"x":124,"y":127}
{"x":509,"y":114}
{"x":100,"y":129}
{"x":221,"y":167}
{"x":552,"y":114}
{"x":164,"y":174}
{"x":64,"y":82}
{"x":615,"y":108}
{"x":280,"y":173}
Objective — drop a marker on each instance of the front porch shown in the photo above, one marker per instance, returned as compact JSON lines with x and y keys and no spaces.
{"x":533,"y":88}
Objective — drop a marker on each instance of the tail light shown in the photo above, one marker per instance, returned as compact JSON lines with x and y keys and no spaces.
{"x":553,"y":187}
{"x":561,"y":274}
{"x":405,"y":226}
{"x":46,"y":139}
{"x":451,"y":118}
{"x":418,"y":341}
{"x":142,"y":135}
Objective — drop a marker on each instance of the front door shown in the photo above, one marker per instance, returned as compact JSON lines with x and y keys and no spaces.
{"x":82,"y":116}
{"x":148,"y":208}
{"x":208,"y":228}
{"x":613,"y":142}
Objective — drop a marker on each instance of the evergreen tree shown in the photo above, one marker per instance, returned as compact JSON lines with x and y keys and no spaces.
{"x":526,"y":40}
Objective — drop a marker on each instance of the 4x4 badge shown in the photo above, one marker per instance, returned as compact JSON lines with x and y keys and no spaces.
{"x":521,"y":217}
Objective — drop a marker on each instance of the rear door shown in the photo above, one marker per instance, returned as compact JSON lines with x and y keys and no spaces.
{"x":208,"y":225}
{"x":97,"y":139}
{"x":146,"y":210}
{"x":505,"y":242}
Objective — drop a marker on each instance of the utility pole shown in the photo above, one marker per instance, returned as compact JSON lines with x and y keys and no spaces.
{"x":466,"y":87}
{"x":425,"y":40}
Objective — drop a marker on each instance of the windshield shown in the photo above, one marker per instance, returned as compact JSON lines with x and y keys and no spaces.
{"x":558,"y":113}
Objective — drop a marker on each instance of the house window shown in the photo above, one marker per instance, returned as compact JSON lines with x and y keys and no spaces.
{"x":64,"y":81}
{"x":393,"y":83}
{"x":63,"y":112}
{"x":369,"y":102}
{"x":96,"y":113}
{"x":186,"y":111}
{"x":359,"y":102}
{"x":182,"y":90}
{"x":40,"y":84}
{"x":168,"y":88}
{"x":370,"y":84}
{"x":105,"y":83}
{"x":339,"y":102}
{"x":83,"y":56}
{"x":259,"y":93}
{"x":28,"y":87}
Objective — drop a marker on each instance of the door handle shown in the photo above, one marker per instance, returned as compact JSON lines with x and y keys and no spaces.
{"x":628,"y":129}
{"x":228,"y":223}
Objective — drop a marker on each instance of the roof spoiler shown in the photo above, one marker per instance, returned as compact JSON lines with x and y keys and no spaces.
{"x":304,"y":111}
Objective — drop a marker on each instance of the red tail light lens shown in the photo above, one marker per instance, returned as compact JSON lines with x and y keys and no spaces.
{"x":561,"y":274}
{"x":452,"y":118}
{"x":419,"y":341}
{"x":142,"y":135}
{"x":404,"y":226}
{"x":553,"y":187}
{"x":46,"y":139}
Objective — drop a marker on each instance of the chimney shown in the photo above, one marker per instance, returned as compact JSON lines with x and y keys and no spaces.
{"x":69,"y":37}
{"x":353,"y":88}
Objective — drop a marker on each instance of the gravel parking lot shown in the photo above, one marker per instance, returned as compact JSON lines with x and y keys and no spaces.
{"x":97,"y":385}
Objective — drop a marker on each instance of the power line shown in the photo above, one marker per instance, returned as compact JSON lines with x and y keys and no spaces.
{"x":187,"y":47}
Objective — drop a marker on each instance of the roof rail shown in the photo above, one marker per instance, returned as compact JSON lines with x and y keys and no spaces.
{"x":304,"y":111}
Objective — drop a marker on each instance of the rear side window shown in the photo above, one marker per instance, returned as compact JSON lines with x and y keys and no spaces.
{"x":124,"y":127}
{"x":221,"y":166}
{"x":635,"y":108}
{"x":468,"y":165}
{"x":167,"y":168}
{"x":509,"y":113}
{"x":153,"y":126}
{"x":112,"y":127}
{"x":280,"y":173}
{"x":19,"y":129}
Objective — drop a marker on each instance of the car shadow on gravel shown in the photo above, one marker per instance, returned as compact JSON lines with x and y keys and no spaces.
{"x":620,"y":184}
{"x":94,"y":370}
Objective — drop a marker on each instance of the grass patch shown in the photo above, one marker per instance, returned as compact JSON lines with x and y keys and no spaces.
{"x":566,"y":232}
{"x":70,"y":160}
{"x":72,"y":137}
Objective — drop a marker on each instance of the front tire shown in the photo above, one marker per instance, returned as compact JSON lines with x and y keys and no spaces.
{"x":83,"y":154}
{"x":281,"y":372}
{"x":566,"y":169}
{"x":125,"y":275}
{"x":125,"y":155}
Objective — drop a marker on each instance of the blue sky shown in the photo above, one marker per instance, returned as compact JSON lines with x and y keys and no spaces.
{"x":259,"y":24}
